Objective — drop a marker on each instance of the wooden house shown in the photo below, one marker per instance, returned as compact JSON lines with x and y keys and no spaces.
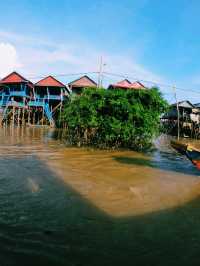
{"x":48,"y":95}
{"x":185,"y":109}
{"x":188,"y":119}
{"x":15,"y":90}
{"x":22,"y":101}
{"x":50,"y":90}
{"x":79,"y":84}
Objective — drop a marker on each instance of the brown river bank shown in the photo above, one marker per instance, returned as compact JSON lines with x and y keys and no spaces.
{"x":70,"y":206}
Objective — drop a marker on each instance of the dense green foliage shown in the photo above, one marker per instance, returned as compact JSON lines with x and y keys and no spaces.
{"x":113,"y":118}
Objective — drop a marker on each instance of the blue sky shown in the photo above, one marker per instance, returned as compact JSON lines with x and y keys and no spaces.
{"x":144,"y":39}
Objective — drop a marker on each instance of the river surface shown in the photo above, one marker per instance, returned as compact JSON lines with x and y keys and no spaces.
{"x":75,"y":206}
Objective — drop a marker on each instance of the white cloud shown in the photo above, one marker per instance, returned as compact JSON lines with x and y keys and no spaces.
{"x":79,"y":59}
{"x":127,"y":66}
{"x":39,"y":57}
{"x":8,"y":58}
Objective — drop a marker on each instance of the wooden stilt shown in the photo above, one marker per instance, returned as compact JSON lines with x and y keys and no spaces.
{"x":43,"y":115}
{"x":23,"y":121}
{"x":18,"y":116}
{"x":6,"y":122}
{"x":60,"y":115}
{"x":13,"y":117}
{"x":29,"y":116}
{"x":34,"y":118}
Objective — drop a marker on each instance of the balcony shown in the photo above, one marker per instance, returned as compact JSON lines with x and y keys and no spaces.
{"x":53,"y":97}
{"x":18,"y":93}
{"x":15,"y":104}
{"x":37,"y":103}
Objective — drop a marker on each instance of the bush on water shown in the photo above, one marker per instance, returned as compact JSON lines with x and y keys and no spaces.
{"x":113,"y":118}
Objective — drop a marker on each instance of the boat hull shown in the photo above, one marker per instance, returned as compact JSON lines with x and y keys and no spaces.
{"x":190,"y":152}
{"x":178,"y":146}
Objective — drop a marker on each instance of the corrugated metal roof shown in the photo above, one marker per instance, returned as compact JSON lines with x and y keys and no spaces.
{"x":197,"y":105}
{"x":50,"y":82}
{"x":184,"y":104}
{"x":84,"y":81}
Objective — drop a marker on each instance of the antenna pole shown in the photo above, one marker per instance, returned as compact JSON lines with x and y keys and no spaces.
{"x":178,"y":113}
{"x":100,"y":72}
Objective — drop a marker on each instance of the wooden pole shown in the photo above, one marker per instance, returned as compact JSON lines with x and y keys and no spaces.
{"x":34,"y":118}
{"x":60,"y":114}
{"x":23,"y":121}
{"x":43,"y":112}
{"x":13,"y":118}
{"x":28,"y":116}
{"x":18,"y":117}
{"x":178,"y":113}
{"x":23,"y":111}
{"x":43,"y":115}
{"x":100,"y":71}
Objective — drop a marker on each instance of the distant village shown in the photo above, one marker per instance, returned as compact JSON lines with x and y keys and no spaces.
{"x":23,"y":102}
{"x":185,"y":115}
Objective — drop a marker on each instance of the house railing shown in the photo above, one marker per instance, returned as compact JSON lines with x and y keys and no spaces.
{"x":15,"y":104}
{"x":49,"y":97}
{"x":54,"y":97}
{"x":36,"y":103}
{"x":18,"y":93}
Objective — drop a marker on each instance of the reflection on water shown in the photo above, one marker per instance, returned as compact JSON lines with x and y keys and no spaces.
{"x":69,"y":206}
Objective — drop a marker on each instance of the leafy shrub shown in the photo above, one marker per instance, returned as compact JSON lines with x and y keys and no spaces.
{"x":113,"y":118}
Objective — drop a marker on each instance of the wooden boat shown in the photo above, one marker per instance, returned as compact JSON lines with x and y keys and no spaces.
{"x":192,"y":153}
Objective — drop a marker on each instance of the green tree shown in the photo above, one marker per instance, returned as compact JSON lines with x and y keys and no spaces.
{"x":114,"y":118}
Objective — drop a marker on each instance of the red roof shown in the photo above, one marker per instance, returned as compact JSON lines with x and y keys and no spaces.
{"x":82,"y":82}
{"x":137,"y":85}
{"x":126,"y":84}
{"x":14,"y":77}
{"x":49,"y":82}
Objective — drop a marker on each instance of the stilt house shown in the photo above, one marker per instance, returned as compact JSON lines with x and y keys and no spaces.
{"x":15,"y":90}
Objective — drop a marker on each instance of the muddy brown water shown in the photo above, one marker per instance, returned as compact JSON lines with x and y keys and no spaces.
{"x":74,"y":206}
